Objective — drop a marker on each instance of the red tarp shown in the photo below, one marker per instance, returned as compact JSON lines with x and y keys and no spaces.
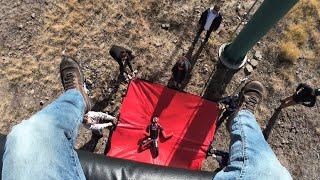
{"x":191,"y":119}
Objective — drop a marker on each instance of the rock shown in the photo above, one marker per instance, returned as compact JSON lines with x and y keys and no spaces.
{"x":238,"y":8}
{"x":245,"y":16}
{"x":257,"y":55}
{"x":41,"y":103}
{"x":102,"y":45}
{"x":253,"y":63}
{"x":165,"y":26}
{"x":31,"y":91}
{"x":89,"y":82}
{"x":248,"y":69}
{"x":318,"y":131}
{"x":47,"y":98}
{"x":33,"y":15}
{"x":112,"y":102}
{"x":20,"y":26}
{"x":158,"y":44}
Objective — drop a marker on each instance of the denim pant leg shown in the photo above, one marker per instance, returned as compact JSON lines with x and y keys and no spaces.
{"x":250,"y":155}
{"x":42,"y":147}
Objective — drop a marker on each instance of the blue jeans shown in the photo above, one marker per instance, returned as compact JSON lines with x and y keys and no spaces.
{"x":43,"y":146}
{"x":250,"y":155}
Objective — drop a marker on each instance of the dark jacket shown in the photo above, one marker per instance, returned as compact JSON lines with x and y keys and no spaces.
{"x":215,"y":23}
{"x":179,"y":75}
{"x":115,"y":52}
{"x":305,"y":95}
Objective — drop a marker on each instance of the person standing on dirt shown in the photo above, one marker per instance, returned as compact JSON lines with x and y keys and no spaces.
{"x":179,"y":71}
{"x":124,"y":57}
{"x":210,"y":20}
{"x":304,"y":95}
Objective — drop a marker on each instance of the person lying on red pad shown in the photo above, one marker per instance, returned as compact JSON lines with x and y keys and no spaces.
{"x":152,"y":134}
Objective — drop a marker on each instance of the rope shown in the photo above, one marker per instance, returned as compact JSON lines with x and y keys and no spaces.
{"x":231,"y":37}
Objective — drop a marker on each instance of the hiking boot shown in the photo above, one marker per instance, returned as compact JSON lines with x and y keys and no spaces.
{"x":72,"y":78}
{"x":251,"y":96}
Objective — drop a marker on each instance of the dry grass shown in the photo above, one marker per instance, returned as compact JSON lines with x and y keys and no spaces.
{"x":289,"y":51}
{"x":17,"y":70}
{"x":302,"y":36}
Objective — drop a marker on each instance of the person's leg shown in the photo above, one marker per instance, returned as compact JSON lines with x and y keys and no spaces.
{"x":121,"y":68}
{"x":145,"y":144}
{"x":156,"y":147}
{"x":250,"y":155}
{"x":207,"y":36}
{"x":42,"y":147}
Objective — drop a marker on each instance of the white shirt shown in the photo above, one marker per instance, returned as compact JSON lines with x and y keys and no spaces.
{"x":210,"y":18}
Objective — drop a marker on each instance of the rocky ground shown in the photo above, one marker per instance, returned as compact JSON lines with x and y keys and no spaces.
{"x":34,"y":34}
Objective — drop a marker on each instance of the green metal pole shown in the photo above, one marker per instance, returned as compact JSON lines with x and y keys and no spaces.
{"x":233,"y":55}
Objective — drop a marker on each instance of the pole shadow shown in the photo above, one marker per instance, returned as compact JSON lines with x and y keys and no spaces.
{"x":163,"y":102}
{"x":218,"y":82}
{"x":267,"y":131}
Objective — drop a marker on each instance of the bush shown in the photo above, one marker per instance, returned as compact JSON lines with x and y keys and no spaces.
{"x":289,"y":51}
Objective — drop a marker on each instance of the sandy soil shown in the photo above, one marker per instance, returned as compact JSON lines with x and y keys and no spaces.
{"x":35,"y":34}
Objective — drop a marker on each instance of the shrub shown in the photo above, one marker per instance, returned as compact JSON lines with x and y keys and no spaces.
{"x":289,"y":51}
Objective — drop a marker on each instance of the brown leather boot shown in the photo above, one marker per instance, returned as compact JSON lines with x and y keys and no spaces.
{"x":72,"y":78}
{"x":251,"y":96}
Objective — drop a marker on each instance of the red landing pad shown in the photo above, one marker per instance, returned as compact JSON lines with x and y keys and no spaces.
{"x":191,"y":119}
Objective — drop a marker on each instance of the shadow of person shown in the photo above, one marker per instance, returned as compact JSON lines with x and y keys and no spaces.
{"x":99,"y":106}
{"x":193,"y":60}
{"x":108,"y":143}
{"x":266,"y":132}
{"x":91,"y":145}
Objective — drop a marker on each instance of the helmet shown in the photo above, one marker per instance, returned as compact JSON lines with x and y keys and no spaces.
{"x":155,"y":119}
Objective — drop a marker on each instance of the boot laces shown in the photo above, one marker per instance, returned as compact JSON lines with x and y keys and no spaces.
{"x":69,"y":81}
{"x":251,"y":102}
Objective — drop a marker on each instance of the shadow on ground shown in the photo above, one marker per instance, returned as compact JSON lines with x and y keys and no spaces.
{"x":218,"y":82}
{"x":267,"y":131}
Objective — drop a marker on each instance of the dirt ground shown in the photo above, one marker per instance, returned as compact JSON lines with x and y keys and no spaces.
{"x":34,"y":34}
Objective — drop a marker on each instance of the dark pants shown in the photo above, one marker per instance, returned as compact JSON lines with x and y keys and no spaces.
{"x":150,"y":142}
{"x":199,"y":33}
